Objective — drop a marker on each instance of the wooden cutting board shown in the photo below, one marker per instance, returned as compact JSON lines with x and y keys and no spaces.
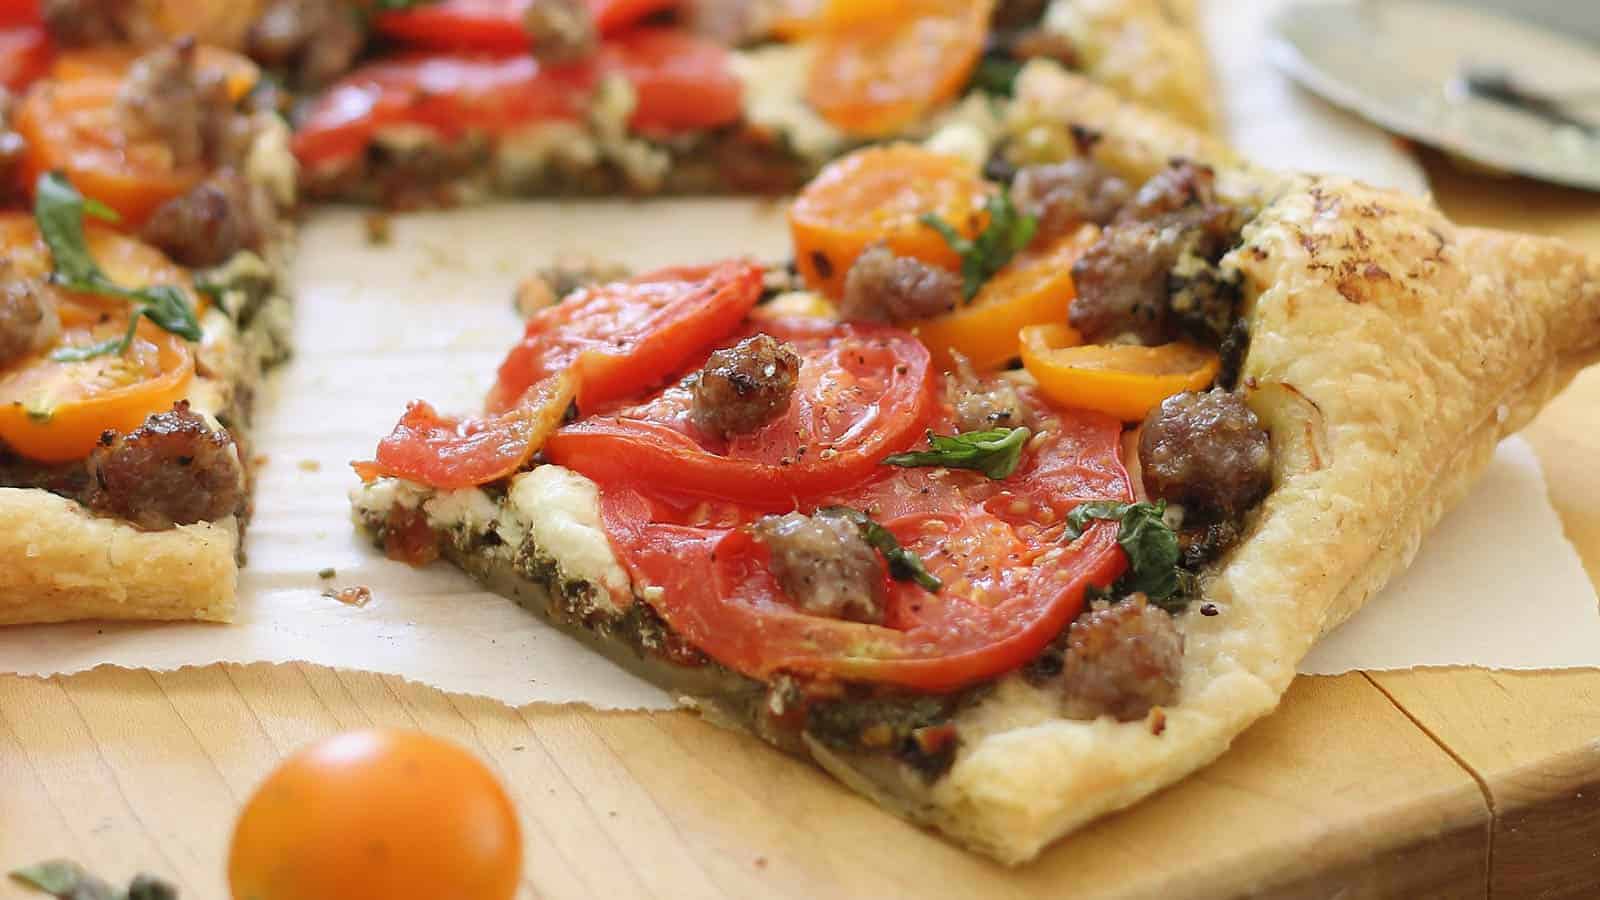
{"x":1443,"y":783}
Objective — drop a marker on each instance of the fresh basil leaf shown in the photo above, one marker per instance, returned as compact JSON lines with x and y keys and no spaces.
{"x":904,"y":565}
{"x":59,"y":209}
{"x":98,"y":210}
{"x":64,"y":879}
{"x":1006,"y":234}
{"x":1151,"y":546}
{"x":995,"y":452}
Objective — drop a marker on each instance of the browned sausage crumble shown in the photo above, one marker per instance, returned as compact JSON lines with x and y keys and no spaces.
{"x":1153,"y":276}
{"x":172,"y":470}
{"x":1064,"y":195}
{"x":167,"y":98}
{"x":12,"y":148}
{"x":883,"y":287}
{"x":1122,"y":660}
{"x":311,"y":41}
{"x":212,"y":221}
{"x":1208,"y":452}
{"x":825,"y":566}
{"x":28,"y":321}
{"x":743,"y":387}
{"x":78,"y":23}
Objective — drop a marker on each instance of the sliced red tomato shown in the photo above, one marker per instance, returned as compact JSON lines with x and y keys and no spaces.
{"x":1010,"y":581}
{"x":496,"y":25}
{"x":864,"y":391}
{"x":24,"y":55}
{"x":625,"y":338}
{"x":452,"y":95}
{"x":19,"y":12}
{"x":681,"y":82}
{"x":450,"y":453}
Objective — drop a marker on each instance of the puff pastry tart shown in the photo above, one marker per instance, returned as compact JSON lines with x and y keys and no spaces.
{"x":140,"y":300}
{"x":818,"y":504}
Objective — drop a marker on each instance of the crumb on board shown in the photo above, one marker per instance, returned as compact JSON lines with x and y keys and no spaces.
{"x":1157,"y":720}
{"x":358,"y":596}
{"x":259,"y":460}
{"x":328,"y":573}
{"x":533,"y":294}
{"x":761,"y":862}
{"x":309,"y":465}
{"x":379,"y":230}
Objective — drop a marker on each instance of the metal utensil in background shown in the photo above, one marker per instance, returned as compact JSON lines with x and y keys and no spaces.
{"x":1476,"y":79}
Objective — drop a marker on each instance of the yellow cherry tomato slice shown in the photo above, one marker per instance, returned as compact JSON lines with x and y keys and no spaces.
{"x":1126,"y":381}
{"x":1034,"y":288}
{"x":881,"y":194}
{"x":880,"y":76}
{"x":55,"y":411}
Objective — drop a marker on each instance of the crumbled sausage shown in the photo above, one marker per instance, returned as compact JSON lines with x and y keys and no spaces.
{"x":1013,"y":14}
{"x":214,"y":220}
{"x":166,"y":97}
{"x":825,"y":566}
{"x":1208,"y":452}
{"x":729,"y":22}
{"x":172,"y":470}
{"x":1064,"y":195}
{"x":982,"y":403}
{"x":79,"y":23}
{"x":28,"y":320}
{"x":313,"y":41}
{"x":1153,"y":275}
{"x":743,"y":387}
{"x":560,"y":30}
{"x":881,"y":286}
{"x":1047,"y":43}
{"x":1123,"y":659}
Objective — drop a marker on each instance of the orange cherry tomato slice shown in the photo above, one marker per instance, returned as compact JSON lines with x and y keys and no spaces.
{"x":1033,"y":289}
{"x":1126,"y":381}
{"x":56,"y":411}
{"x":238,"y":71}
{"x":882,"y":193}
{"x":71,"y":127}
{"x":881,"y":76}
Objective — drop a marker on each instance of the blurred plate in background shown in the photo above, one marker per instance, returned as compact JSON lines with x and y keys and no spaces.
{"x":1479,"y":80}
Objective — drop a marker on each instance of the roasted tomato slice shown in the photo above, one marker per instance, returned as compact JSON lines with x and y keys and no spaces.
{"x":72,"y":127}
{"x":681,"y":82}
{"x":864,"y":392}
{"x":1010,"y":580}
{"x":496,"y":25}
{"x":24,"y":55}
{"x":451,"y":95}
{"x":19,"y":12}
{"x":627,"y":337}
{"x":886,"y":74}
{"x":448,"y":453}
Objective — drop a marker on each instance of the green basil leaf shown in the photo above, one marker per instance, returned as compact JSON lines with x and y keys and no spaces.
{"x":59,"y":209}
{"x":904,"y":565}
{"x":1008,"y":232}
{"x":1151,"y":546}
{"x":995,"y":452}
{"x":64,"y":879}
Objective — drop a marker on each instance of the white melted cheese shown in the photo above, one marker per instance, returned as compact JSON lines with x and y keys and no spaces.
{"x":270,"y":163}
{"x":554,"y":507}
{"x":774,"y":81}
{"x":970,"y":129}
{"x":562,"y":511}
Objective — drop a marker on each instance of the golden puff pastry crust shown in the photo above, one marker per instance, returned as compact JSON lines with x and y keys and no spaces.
{"x":1390,"y":353}
{"x":58,"y":563}
{"x":1148,"y":51}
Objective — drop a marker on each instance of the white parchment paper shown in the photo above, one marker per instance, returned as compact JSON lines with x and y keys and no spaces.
{"x":429,"y":316}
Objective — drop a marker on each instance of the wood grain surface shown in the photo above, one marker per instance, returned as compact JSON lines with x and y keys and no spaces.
{"x":1440,"y":783}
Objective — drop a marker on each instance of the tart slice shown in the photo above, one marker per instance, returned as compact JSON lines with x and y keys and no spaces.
{"x":140,"y":301}
{"x":818,"y":506}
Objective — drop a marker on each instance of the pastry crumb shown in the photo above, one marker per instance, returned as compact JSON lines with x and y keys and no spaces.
{"x":328,"y":573}
{"x":379,"y":232}
{"x":1157,"y":720}
{"x":310,"y":465}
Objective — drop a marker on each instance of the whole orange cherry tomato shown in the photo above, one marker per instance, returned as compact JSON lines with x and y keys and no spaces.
{"x":377,"y":815}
